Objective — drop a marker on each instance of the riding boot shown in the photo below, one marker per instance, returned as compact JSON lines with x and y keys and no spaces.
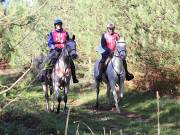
{"x":75,"y":80}
{"x":42,"y":76}
{"x":47,"y":70}
{"x":48,"y":65}
{"x":129,"y":76}
{"x":101,"y":69}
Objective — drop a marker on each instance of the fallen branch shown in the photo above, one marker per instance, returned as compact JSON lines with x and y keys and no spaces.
{"x":9,"y":103}
{"x":20,"y":78}
{"x":17,"y":98}
{"x":3,"y":86}
{"x":9,"y":19}
{"x":13,"y":100}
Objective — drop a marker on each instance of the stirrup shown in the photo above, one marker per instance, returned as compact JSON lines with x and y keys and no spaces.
{"x":75,"y":80}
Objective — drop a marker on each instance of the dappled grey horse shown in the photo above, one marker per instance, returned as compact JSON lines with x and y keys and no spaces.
{"x":114,"y":75}
{"x":61,"y":75}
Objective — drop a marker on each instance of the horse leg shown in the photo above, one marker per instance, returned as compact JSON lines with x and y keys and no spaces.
{"x":108,"y":93}
{"x":52,"y":97}
{"x":97,"y":94}
{"x":121,"y":88}
{"x":51,"y":90}
{"x":65,"y":98}
{"x":58,"y":97}
{"x":112,"y":84}
{"x":45,"y":89}
{"x":53,"y":102}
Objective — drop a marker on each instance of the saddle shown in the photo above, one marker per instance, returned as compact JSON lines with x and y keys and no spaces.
{"x":105,"y":64}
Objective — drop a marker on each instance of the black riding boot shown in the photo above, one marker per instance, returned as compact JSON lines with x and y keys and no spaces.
{"x":75,"y":80}
{"x":49,"y":63}
{"x":101,"y":69}
{"x":42,"y":75}
{"x":47,"y":70}
{"x":129,"y":76}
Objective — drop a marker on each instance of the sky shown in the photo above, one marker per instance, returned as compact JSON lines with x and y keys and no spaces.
{"x":6,"y":2}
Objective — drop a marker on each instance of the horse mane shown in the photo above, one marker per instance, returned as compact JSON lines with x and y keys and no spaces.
{"x":64,"y":57}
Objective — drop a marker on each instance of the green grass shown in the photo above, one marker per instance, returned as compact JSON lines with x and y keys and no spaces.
{"x":27,"y":115}
{"x":8,"y":79}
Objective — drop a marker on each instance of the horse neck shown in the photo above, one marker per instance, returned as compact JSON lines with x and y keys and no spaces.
{"x":63,"y":61}
{"x":117,"y":64}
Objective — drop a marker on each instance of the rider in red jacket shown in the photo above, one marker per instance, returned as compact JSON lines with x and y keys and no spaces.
{"x":56,"y":41}
{"x":108,"y":43}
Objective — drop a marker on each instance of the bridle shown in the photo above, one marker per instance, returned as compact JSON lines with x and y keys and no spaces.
{"x":119,"y":56}
{"x":70,"y":50}
{"x":119,"y":52}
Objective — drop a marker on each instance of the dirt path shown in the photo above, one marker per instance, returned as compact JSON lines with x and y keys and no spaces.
{"x":110,"y":109}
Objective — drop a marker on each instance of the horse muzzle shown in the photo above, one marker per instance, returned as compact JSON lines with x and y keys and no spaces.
{"x":74,"y":56}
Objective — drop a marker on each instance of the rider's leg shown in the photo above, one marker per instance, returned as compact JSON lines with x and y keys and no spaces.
{"x":51,"y":64}
{"x":47,"y":65}
{"x":54,"y":58}
{"x":42,"y":75}
{"x":129,"y":76}
{"x":101,"y":67}
{"x":73,"y":69}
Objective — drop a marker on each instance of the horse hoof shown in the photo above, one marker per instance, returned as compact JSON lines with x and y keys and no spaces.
{"x":65,"y":113}
{"x":57,"y":111}
{"x":52,"y":110}
{"x":48,"y":110}
{"x":96,"y":106}
{"x":118,"y":111}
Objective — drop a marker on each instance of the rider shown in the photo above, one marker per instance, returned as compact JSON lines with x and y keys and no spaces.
{"x":108,"y":43}
{"x":57,"y":41}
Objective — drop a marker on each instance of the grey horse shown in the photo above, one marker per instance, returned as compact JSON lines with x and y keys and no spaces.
{"x":61,"y":75}
{"x":114,"y":75}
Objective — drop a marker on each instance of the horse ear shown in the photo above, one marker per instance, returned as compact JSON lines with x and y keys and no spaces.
{"x":73,"y":37}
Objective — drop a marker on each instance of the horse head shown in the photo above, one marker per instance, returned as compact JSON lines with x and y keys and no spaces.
{"x":120,"y":49}
{"x":69,"y":51}
{"x":71,"y":47}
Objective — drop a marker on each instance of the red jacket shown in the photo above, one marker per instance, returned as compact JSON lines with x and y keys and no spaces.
{"x":111,"y":40}
{"x":59,"y":38}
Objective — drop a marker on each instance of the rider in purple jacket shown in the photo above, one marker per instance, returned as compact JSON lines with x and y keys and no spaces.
{"x":108,"y":43}
{"x":56,"y":41}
